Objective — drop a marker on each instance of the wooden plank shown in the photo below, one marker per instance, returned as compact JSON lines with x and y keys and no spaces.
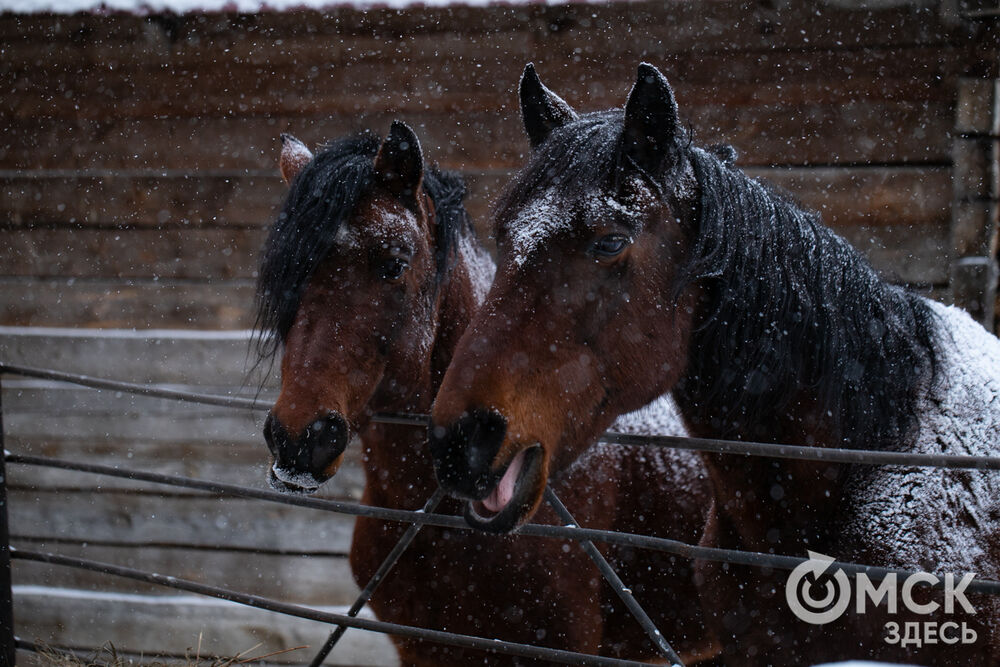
{"x":164,"y":429}
{"x":861,"y":131}
{"x":409,"y":85}
{"x":870,"y":196}
{"x":853,"y":133}
{"x":695,"y":26}
{"x":32,"y":398}
{"x":974,"y":287}
{"x":905,"y":196}
{"x":53,"y":200}
{"x":193,"y":254}
{"x":692,"y":26}
{"x":845,"y":195}
{"x":208,"y":521}
{"x":904,"y":255}
{"x":312,"y":579}
{"x":126,"y":303}
{"x":191,"y":357}
{"x":974,"y":226}
{"x":141,"y":199}
{"x":977,"y":106}
{"x":461,"y":61}
{"x":89,"y":619}
{"x":975,"y":168}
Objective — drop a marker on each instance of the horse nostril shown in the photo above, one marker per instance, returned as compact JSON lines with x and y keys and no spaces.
{"x":484,"y":431}
{"x":326,"y":438}
{"x":463,"y":452}
{"x":270,"y":433}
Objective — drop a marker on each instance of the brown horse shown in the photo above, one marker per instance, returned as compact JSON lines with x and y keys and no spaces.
{"x":632,"y":262}
{"x":370,"y":274}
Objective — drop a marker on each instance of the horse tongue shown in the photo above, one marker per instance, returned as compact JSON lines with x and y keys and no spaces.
{"x":504,"y":491}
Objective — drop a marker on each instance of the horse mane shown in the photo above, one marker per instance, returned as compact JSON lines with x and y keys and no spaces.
{"x":821,"y":316}
{"x":816,"y":313}
{"x":321,"y":199}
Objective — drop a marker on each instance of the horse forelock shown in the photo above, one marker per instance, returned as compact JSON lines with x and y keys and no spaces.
{"x":313,"y":219}
{"x":572,"y":181}
{"x":318,"y":202}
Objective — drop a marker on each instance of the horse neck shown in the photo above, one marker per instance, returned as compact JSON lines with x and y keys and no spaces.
{"x":795,"y":334}
{"x":796,"y":340}
{"x":741,"y":382}
{"x":398,"y":469}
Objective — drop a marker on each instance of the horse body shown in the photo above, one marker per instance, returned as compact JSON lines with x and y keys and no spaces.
{"x":369,"y":293}
{"x":914,"y":518}
{"x":655,"y":265}
{"x":929,"y":511}
{"x":849,"y":361}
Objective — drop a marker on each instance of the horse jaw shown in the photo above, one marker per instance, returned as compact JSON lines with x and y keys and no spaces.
{"x":516,"y":496}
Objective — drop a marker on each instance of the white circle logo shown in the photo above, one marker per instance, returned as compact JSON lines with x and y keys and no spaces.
{"x":815,"y":595}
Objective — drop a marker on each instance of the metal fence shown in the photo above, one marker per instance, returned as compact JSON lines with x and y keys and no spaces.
{"x":9,"y":643}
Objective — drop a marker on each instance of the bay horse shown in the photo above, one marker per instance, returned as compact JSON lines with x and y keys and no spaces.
{"x":369,"y":275}
{"x":635,"y":262}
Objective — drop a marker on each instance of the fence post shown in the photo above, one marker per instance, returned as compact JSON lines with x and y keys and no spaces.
{"x":8,"y":651}
{"x":976,"y":200}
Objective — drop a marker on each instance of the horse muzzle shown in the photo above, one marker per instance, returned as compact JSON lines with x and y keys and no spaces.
{"x":300,"y":464}
{"x":463,"y":453}
{"x":499,"y":498}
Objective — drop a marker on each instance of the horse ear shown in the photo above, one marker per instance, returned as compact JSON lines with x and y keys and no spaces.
{"x":541,"y":109}
{"x":651,"y":120}
{"x":294,"y":156}
{"x":399,"y":164}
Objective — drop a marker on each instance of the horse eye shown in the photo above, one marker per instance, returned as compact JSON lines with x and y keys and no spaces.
{"x":611,"y":245}
{"x":394,"y":268}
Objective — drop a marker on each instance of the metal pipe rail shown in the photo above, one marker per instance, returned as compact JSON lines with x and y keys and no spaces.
{"x":267,"y":604}
{"x":426,"y":517}
{"x":739,"y":447}
{"x":574,"y":533}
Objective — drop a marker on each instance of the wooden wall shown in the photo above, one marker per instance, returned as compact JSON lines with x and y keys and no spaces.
{"x":137,"y":163}
{"x":137,"y":178}
{"x":278,"y":551}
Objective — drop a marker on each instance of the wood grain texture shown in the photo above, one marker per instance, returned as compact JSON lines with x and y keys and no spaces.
{"x":865,"y":129}
{"x":312,"y":578}
{"x":843,"y":195}
{"x":213,"y":360}
{"x":135,"y":303}
{"x":139,"y":157}
{"x":172,"y":625}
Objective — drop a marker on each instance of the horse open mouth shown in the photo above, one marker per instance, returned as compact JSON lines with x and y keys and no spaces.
{"x":514,"y":497}
{"x":288,"y":482}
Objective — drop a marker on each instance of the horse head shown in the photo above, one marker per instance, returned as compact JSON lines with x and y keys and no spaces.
{"x":348,"y":291}
{"x":582,"y":323}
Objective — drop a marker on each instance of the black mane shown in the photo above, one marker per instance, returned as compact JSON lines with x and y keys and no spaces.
{"x":818,"y":314}
{"x":320,"y":199}
{"x":790,"y":308}
{"x":577,"y":159}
